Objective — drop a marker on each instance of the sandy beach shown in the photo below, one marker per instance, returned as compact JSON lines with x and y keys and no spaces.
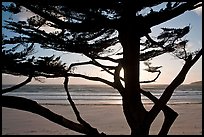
{"x":106,"y":118}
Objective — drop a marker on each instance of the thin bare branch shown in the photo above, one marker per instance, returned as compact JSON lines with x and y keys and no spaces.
{"x":93,"y":62}
{"x":151,"y":40}
{"x":90,"y":129}
{"x":108,"y":58}
{"x":91,"y":78}
{"x":105,"y":68}
{"x":17,"y":86}
{"x":149,"y":81}
{"x":80,"y":63}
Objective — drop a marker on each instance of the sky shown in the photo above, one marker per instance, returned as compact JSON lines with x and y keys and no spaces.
{"x":170,"y":65}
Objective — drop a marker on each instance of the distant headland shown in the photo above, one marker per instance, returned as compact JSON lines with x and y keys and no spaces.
{"x":196,"y":83}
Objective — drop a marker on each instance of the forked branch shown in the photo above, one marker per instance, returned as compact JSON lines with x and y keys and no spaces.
{"x":174,"y":84}
{"x":170,"y":114}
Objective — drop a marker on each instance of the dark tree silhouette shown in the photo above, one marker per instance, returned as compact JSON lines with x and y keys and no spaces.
{"x":94,"y":29}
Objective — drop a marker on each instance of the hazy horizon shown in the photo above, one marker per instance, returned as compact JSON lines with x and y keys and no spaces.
{"x":88,"y":82}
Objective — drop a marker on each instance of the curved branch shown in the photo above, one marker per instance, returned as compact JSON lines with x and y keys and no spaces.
{"x":105,"y":68}
{"x":17,"y":86}
{"x":108,"y":58}
{"x":149,"y":81}
{"x":80,"y":63}
{"x":92,"y":131}
{"x":93,"y":62}
{"x":33,"y":107}
{"x":155,"y":44}
{"x":151,"y":40}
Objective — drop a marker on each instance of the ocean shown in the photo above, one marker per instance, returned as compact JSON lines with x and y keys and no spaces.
{"x":101,"y":94}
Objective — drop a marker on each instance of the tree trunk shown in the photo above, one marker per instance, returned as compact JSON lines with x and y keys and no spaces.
{"x":133,"y":108}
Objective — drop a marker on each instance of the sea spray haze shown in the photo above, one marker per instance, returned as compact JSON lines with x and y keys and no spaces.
{"x":102,"y":94}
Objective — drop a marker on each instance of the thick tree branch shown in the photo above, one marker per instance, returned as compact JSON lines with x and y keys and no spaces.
{"x":92,"y":131}
{"x":174,"y":84}
{"x":170,"y":114}
{"x":198,"y":55}
{"x":170,"y":117}
{"x":117,"y":78}
{"x":17,"y":86}
{"x":33,"y":107}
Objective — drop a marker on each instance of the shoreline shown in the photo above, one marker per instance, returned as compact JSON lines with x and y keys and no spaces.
{"x":106,"y":118}
{"x":145,"y":104}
